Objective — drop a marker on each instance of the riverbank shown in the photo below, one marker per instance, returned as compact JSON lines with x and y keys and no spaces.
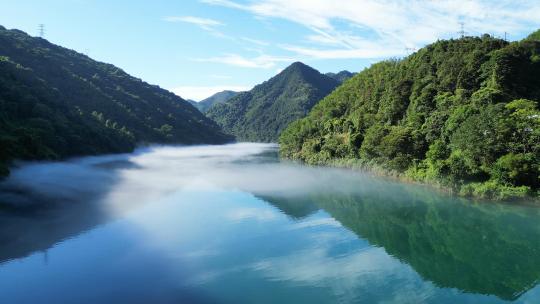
{"x":486,"y":191}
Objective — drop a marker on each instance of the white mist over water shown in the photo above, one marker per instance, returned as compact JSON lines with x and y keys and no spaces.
{"x":141,"y":186}
{"x":234,"y":223}
{"x":125,"y":180}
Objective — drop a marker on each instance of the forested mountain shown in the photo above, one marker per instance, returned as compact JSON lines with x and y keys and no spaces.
{"x":341,"y":76}
{"x":219,"y":97}
{"x":262,"y":113}
{"x":461,"y":113}
{"x":55,"y":102}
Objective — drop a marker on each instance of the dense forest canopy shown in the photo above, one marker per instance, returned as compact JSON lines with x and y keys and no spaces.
{"x":55,"y":102}
{"x":459,"y":113}
{"x":261,"y":114}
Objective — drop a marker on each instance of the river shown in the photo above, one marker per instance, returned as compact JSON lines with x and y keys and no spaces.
{"x":233,"y":224}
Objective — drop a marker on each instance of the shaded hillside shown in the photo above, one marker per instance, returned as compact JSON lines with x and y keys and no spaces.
{"x":55,"y":102}
{"x":217,"y":98}
{"x":462,"y":113}
{"x":262,"y":113}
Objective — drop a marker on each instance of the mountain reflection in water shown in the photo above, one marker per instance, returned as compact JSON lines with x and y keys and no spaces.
{"x":233,"y":224}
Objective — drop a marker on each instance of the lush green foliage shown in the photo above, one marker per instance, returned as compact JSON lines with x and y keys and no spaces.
{"x":463,"y":113}
{"x":217,"y":98}
{"x":55,"y":102}
{"x":262,"y":113}
{"x":534,"y":36}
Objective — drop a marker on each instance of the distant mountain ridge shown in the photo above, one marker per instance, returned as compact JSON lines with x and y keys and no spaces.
{"x":341,"y":76}
{"x":263,"y":112}
{"x":55,"y":102}
{"x":192,"y":102}
{"x":219,"y":97}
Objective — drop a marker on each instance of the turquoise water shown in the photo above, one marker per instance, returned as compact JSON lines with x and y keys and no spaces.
{"x":232,"y":224}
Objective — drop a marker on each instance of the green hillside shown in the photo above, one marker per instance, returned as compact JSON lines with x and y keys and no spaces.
{"x":261,"y":114}
{"x":534,"y":36}
{"x":55,"y":102}
{"x":462,"y":114}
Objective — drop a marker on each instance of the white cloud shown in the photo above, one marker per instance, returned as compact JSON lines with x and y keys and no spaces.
{"x":261,"y":61}
{"x":316,"y":223}
{"x":224,"y":3}
{"x":350,"y":276}
{"x":377,"y":27}
{"x":255,"y":41}
{"x":201,"y":92}
{"x":345,"y":53}
{"x":206,"y":24}
{"x":242,"y":214}
{"x":202,"y":22}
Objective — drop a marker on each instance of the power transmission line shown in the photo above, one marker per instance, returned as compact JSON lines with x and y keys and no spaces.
{"x":409,"y":50}
{"x":41,"y":30}
{"x":462,"y":29}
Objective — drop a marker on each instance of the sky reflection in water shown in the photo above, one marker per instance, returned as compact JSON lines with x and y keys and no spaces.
{"x":230,"y":224}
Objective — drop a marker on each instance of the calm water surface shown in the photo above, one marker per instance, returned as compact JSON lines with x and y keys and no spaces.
{"x":231,"y":224}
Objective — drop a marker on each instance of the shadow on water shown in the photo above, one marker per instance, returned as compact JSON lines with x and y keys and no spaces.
{"x":42,"y":204}
{"x":481,"y":248}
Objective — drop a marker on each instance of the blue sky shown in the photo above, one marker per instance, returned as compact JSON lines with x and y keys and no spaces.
{"x":198,"y":47}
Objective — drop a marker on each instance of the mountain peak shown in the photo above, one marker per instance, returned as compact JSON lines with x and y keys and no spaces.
{"x":261,"y":114}
{"x":302,"y":72}
{"x":298,"y":66}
